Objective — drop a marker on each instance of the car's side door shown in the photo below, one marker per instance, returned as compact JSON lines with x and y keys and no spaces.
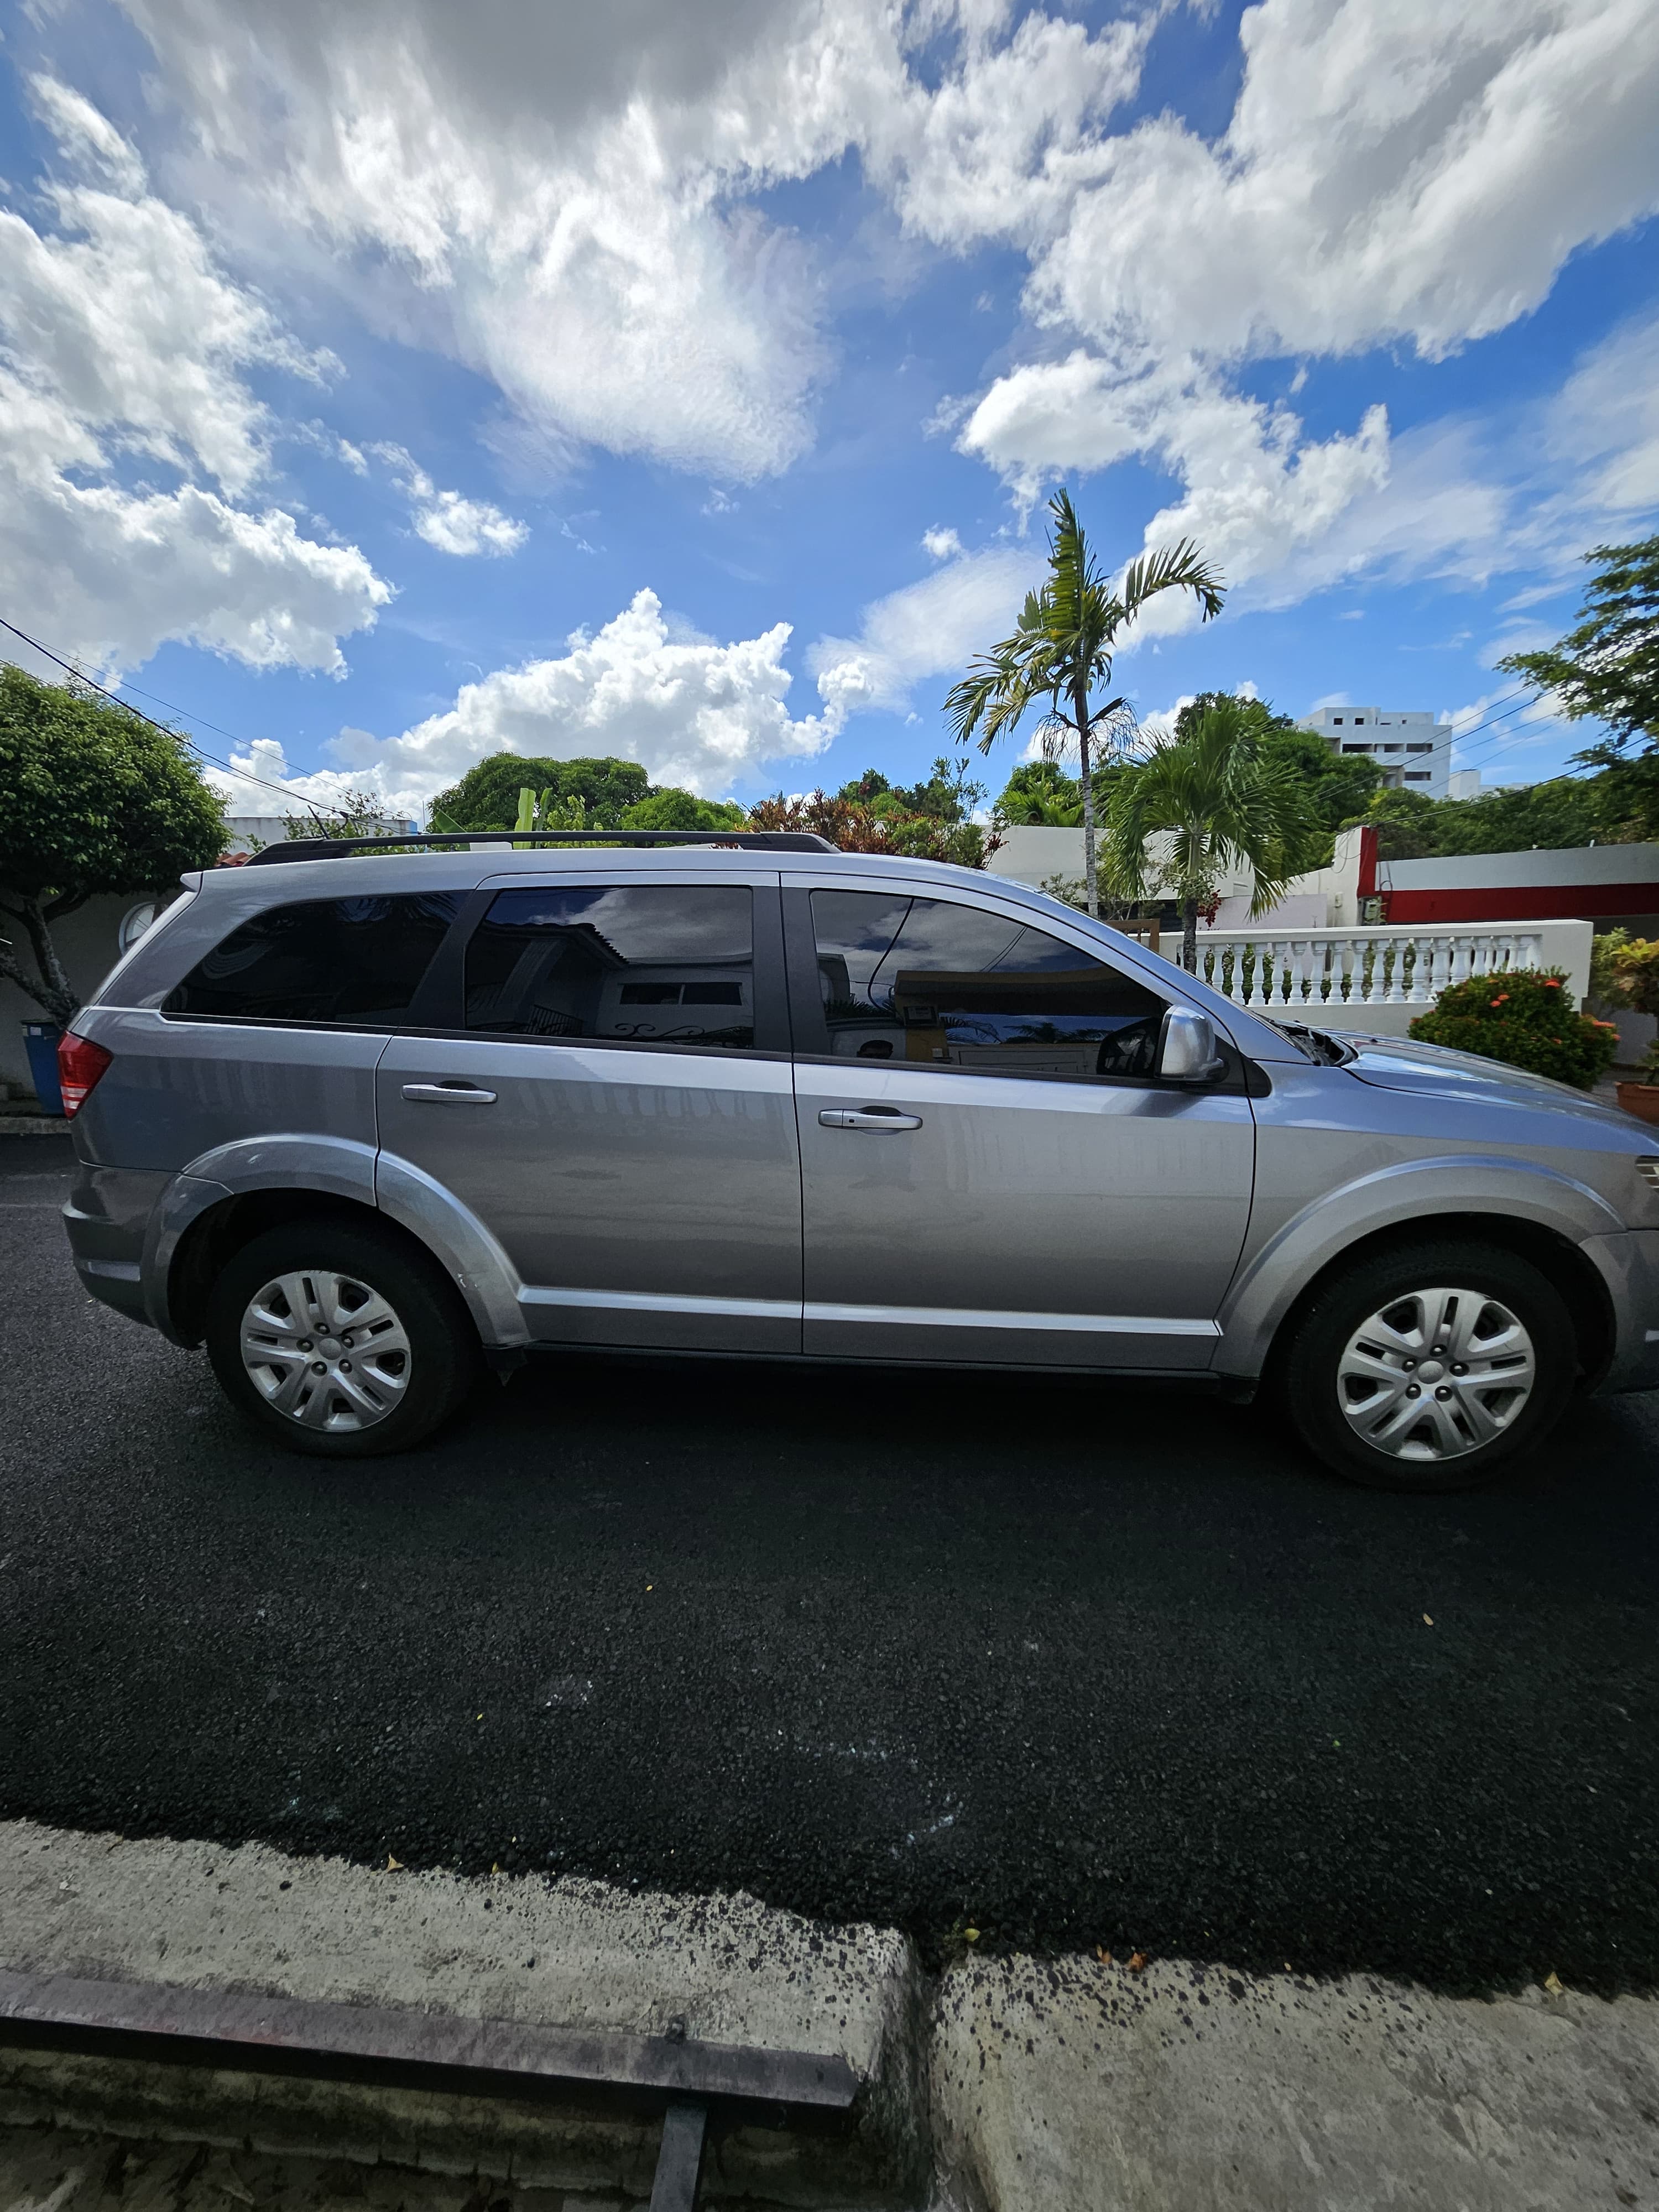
{"x":992,"y":1169}
{"x":611,"y":1097}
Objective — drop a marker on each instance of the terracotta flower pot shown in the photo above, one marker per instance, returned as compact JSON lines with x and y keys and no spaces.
{"x":1641,"y":1099}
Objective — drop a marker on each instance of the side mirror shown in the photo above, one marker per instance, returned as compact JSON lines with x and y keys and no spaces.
{"x":1186,"y":1049}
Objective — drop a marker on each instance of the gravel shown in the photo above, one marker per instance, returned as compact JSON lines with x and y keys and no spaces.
{"x":1068,"y":1664}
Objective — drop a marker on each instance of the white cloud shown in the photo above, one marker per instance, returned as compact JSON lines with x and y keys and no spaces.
{"x":1256,"y":492}
{"x":926,"y":629}
{"x":692,"y":712}
{"x":124,"y":344}
{"x":566,"y":200}
{"x":1605,"y":420}
{"x":446,"y":519}
{"x":941,"y":543}
{"x":1395,"y":171}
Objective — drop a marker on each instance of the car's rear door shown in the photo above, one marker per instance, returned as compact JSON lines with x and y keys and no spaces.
{"x":991,"y":1170}
{"x":610,"y":1096}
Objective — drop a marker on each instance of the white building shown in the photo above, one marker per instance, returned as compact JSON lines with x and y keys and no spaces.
{"x":1413,"y":751}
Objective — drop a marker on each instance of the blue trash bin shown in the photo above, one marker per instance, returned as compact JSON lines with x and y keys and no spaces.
{"x":40,"y":1042}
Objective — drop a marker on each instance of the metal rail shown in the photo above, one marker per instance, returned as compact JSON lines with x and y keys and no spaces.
{"x":482,"y":2057}
{"x":336,"y":849}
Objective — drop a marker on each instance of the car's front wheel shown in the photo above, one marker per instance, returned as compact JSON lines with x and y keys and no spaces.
{"x":335,"y":1339}
{"x":1428,"y":1367}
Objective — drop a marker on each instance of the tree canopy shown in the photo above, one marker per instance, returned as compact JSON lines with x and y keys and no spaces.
{"x":487,"y":796}
{"x":96,"y":799}
{"x":1607,"y":669}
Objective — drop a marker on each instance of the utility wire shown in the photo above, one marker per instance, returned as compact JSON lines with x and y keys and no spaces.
{"x":263,"y":783}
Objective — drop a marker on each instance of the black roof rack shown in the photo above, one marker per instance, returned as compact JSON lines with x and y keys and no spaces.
{"x":336,"y":849}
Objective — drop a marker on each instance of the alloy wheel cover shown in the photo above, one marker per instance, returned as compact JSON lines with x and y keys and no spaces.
{"x":1436,"y":1374}
{"x":325,"y":1349}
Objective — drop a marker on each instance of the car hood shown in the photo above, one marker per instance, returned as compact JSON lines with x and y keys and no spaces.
{"x":1398,"y":1064}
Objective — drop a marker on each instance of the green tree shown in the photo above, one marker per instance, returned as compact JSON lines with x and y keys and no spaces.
{"x":487,"y":796}
{"x":950,"y":794}
{"x":1606,"y":669}
{"x":96,"y":799}
{"x":1039,"y":794}
{"x":1062,"y":652}
{"x":1339,"y":785}
{"x":670,"y":808}
{"x":1217,"y":799}
{"x":1560,"y":812}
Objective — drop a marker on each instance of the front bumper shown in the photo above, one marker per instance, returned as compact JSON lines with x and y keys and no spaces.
{"x":1628,"y":1263}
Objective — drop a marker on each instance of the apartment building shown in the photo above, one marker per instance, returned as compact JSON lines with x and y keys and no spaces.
{"x":1409,"y":747}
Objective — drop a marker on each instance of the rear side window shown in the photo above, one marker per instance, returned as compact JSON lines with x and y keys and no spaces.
{"x":351,"y":960}
{"x":640,"y":963}
{"x":960,"y":985}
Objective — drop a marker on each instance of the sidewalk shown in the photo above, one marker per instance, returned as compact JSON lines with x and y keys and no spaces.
{"x":1009,"y":2085}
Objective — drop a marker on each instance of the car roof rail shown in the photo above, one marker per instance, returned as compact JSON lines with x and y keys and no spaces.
{"x":336,"y":848}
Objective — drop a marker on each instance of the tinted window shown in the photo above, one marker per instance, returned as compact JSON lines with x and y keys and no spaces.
{"x":322,"y":960}
{"x":961,"y":987}
{"x":650,"y":964}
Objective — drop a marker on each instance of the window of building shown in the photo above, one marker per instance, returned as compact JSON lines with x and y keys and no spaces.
{"x":1336,"y":721}
{"x":1359,"y":721}
{"x":1391,"y":749}
{"x":1419,"y":749}
{"x":958,"y":986}
{"x":1419,"y":775}
{"x":1356,"y":749}
{"x":640,"y":963}
{"x":356,"y":961}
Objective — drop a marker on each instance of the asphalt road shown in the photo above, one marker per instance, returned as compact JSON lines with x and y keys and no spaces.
{"x":1069,"y":1663}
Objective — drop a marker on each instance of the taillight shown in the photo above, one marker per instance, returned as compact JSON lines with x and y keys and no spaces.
{"x":79,"y":1064}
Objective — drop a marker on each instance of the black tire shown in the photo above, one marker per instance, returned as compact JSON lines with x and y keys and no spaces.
{"x":1320,"y":1377}
{"x":415,"y":1371}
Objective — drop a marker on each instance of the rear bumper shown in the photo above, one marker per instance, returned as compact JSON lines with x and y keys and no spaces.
{"x":1628,"y":1263}
{"x":106,"y":1219}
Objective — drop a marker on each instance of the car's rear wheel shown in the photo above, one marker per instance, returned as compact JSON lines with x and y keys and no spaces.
{"x":337,"y":1340}
{"x":1429,"y":1367}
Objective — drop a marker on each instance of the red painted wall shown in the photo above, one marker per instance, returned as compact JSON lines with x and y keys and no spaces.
{"x":1521,"y":902}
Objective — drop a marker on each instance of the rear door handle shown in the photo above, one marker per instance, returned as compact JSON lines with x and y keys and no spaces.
{"x":447,"y":1094}
{"x":868,"y":1117}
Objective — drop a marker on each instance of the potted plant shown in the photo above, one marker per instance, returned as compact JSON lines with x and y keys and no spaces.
{"x":1634,"y":966}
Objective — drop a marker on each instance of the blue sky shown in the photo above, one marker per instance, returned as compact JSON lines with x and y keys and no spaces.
{"x":386,"y":384}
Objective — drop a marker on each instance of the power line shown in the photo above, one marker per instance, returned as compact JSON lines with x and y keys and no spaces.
{"x":182,"y":736}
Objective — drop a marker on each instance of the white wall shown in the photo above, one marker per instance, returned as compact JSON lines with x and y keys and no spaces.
{"x":87,"y":945}
{"x":1577,"y":864}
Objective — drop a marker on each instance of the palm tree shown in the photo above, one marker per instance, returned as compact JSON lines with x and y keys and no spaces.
{"x":1062,"y":652}
{"x":1222,"y":802}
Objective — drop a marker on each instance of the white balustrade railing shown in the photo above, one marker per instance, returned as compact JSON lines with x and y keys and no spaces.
{"x":1314,"y":973}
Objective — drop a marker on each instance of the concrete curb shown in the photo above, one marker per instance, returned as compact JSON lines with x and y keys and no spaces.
{"x":1011,"y":2084}
{"x":565,"y":1954}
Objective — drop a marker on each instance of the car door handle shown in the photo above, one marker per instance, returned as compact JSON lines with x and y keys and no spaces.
{"x":447,"y":1094}
{"x":868,"y":1117}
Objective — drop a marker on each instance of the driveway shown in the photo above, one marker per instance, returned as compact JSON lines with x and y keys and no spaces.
{"x":1068,"y":1663}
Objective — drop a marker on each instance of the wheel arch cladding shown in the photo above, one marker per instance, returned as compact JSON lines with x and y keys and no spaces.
{"x":1576,"y":1278}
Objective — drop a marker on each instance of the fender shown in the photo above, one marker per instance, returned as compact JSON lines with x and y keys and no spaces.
{"x":1420,"y":1192}
{"x":343,"y":1167}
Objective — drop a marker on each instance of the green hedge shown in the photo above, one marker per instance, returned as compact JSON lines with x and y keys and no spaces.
{"x":1526,"y":1019}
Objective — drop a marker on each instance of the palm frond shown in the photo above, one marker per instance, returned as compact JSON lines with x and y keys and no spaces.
{"x":1180,"y":566}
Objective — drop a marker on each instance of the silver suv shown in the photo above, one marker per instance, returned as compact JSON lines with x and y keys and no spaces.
{"x":363,"y":1121}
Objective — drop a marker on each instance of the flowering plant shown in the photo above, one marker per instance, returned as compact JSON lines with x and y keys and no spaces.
{"x":1526,"y":1018}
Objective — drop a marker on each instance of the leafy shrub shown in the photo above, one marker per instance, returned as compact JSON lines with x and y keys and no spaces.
{"x":1525,"y":1018}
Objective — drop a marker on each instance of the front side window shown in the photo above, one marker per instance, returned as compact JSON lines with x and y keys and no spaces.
{"x":955,"y":986}
{"x":639,"y":963}
{"x":347,"y":960}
